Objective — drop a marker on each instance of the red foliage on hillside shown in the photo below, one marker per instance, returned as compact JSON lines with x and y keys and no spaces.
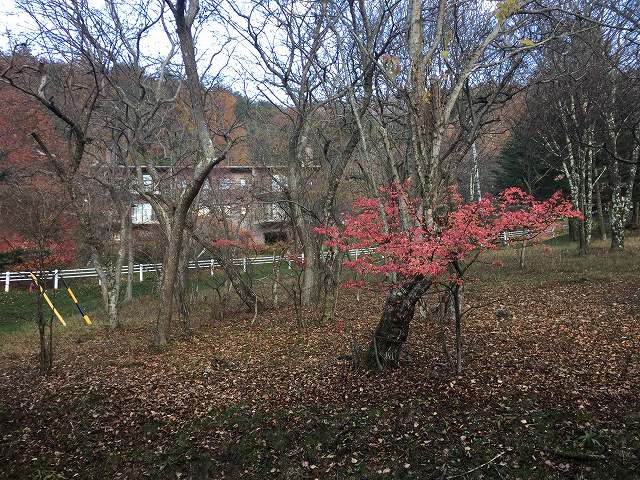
{"x":33,"y":202}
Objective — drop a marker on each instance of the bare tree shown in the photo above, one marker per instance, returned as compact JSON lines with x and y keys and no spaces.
{"x":321,"y":53}
{"x":70,"y":83}
{"x":39,"y":210}
{"x":187,"y":17}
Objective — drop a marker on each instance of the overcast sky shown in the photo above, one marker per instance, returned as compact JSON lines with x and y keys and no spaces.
{"x":240,"y":57}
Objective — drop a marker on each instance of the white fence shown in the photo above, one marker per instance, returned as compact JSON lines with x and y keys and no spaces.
{"x":142,"y":268}
{"x":514,"y":235}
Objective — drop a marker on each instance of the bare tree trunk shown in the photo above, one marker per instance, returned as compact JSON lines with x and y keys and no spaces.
{"x":110,"y":289}
{"x":600,"y":213}
{"x":620,"y":202}
{"x":584,"y":224}
{"x":130,"y":257}
{"x":457,"y":316}
{"x":474,"y":180}
{"x":276,"y":282}
{"x":312,"y":274}
{"x":523,"y":247}
{"x":182,"y":287}
{"x":573,"y":229}
{"x":45,"y":331}
{"x":169,"y":276}
{"x":113,"y":301}
{"x":583,"y":247}
{"x":109,"y":273}
{"x":210,"y":155}
{"x":393,"y":329}
{"x":617,"y":218}
{"x":332,"y":282}
{"x":621,"y":188}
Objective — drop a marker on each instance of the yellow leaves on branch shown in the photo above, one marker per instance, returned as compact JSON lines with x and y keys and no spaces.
{"x":505,"y":9}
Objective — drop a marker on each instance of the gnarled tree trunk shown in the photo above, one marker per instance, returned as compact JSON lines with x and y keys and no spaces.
{"x":393,"y":329}
{"x":109,"y":272}
{"x":169,"y":276}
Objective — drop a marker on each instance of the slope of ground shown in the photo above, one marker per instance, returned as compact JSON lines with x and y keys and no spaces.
{"x":551,"y":393}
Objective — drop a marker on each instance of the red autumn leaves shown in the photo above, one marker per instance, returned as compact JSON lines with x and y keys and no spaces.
{"x":401,"y":242}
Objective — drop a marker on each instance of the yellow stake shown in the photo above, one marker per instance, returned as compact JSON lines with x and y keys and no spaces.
{"x":46,"y":297}
{"x":73,"y":297}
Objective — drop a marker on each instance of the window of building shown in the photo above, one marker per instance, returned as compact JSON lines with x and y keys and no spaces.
{"x":225,"y":209}
{"x":225,"y":183}
{"x":147,"y":182}
{"x":274,"y":212}
{"x":243,"y":182}
{"x":142,"y":213}
{"x":278,"y":182}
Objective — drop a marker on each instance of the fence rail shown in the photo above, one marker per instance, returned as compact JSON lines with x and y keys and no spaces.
{"x":140,"y":269}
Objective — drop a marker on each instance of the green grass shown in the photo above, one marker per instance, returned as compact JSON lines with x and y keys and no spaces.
{"x":18,"y":306}
{"x":555,"y":260}
{"x":558,"y":260}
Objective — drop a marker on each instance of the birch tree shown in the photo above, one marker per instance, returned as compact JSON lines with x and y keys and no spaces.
{"x":617,"y":54}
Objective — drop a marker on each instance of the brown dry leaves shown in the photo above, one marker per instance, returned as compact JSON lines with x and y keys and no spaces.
{"x":271,"y":401}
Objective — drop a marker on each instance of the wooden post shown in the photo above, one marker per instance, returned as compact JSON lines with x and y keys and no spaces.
{"x":140,"y":273}
{"x":244,"y":264}
{"x":7,"y":279}
{"x":55,"y":279}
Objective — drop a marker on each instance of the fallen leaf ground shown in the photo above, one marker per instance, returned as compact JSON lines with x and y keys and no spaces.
{"x":553,"y":392}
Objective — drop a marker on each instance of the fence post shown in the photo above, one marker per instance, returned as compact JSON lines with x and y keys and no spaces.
{"x":7,"y":277}
{"x":244,"y":264}
{"x":140,"y":273}
{"x":356,"y":254}
{"x":55,"y":279}
{"x":211,"y":268}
